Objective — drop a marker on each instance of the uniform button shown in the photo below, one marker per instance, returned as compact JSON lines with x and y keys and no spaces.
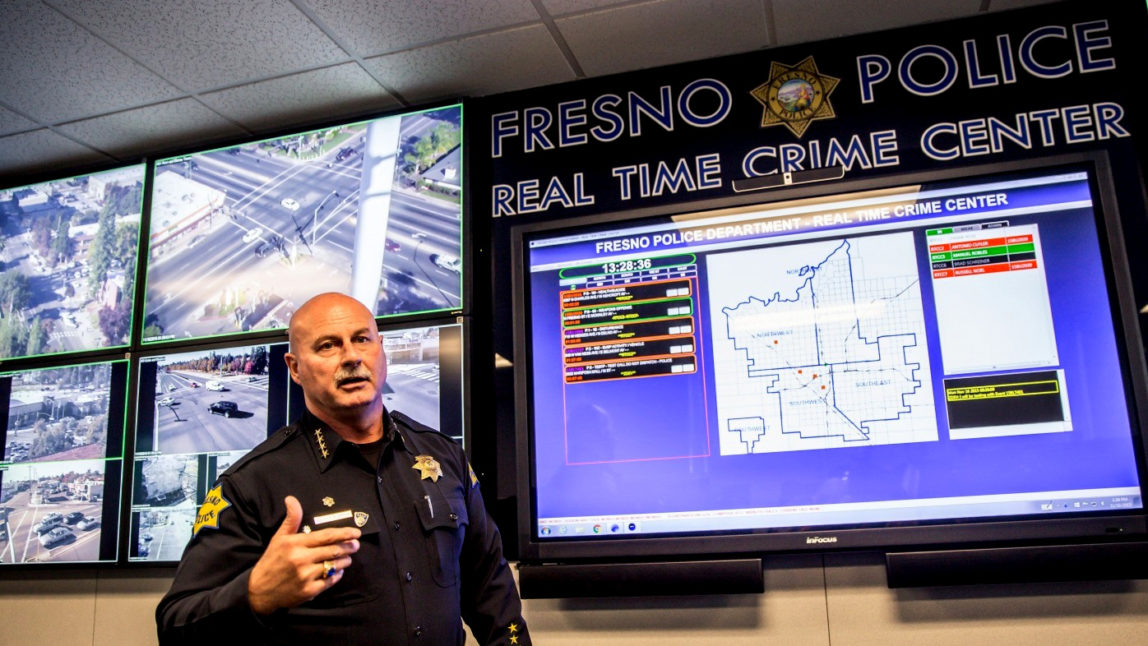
{"x":454,"y":516}
{"x":418,"y":631}
{"x":379,"y":479}
{"x":396,"y":525}
{"x":409,"y":576}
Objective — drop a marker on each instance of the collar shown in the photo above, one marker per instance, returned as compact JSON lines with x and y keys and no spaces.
{"x":327,"y":445}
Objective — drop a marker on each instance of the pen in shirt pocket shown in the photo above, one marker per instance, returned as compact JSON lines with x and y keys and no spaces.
{"x":430,"y":505}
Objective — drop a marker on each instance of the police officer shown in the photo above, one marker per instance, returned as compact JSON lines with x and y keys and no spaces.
{"x":353,"y":525}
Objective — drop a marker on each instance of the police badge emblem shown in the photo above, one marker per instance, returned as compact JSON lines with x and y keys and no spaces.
{"x":795,"y":95}
{"x":428,"y":467}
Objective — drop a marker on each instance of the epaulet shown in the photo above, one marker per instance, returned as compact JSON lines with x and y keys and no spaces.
{"x":276,"y":440}
{"x":407,"y":424}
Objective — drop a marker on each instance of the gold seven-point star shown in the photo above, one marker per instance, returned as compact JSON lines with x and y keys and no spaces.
{"x":795,"y":96}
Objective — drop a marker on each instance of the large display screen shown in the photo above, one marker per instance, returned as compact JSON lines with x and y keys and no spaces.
{"x":62,"y":463}
{"x":241,"y":236}
{"x":915,"y":355}
{"x":68,"y":251}
{"x":199,"y":412}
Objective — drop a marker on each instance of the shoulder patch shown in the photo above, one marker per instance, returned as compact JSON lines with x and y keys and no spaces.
{"x":473,"y":477}
{"x":213,"y":505}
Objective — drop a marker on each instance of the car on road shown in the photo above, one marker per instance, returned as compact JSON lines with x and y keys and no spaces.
{"x":88,"y":523}
{"x":215,"y":385}
{"x":289,"y":204}
{"x":344,"y":153}
{"x":170,"y":387}
{"x":268,"y":246}
{"x":166,"y":401}
{"x":225,"y":408}
{"x":48,"y":523}
{"x":252,"y":235}
{"x":391,"y":245}
{"x":74,"y":517}
{"x":446,"y":263}
{"x":56,"y":536}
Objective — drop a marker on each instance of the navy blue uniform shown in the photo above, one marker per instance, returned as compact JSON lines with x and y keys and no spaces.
{"x":429,"y":553}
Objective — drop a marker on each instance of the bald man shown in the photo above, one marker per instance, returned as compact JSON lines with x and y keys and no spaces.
{"x":353,"y":525}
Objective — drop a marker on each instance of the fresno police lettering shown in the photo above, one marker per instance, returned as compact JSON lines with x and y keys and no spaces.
{"x":795,"y":96}
{"x":208,"y":515}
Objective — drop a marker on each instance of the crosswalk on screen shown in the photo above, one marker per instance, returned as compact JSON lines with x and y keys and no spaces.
{"x":927,"y":353}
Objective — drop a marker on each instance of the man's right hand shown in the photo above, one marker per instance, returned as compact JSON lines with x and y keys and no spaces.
{"x":295,"y":566}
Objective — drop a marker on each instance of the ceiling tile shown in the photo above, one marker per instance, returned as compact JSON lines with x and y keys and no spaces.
{"x":562,"y":7}
{"x":372,"y":27}
{"x":320,"y":95}
{"x":803,"y":21}
{"x":176,"y":124}
{"x":11,"y":122}
{"x":39,"y":150}
{"x":61,"y":72}
{"x":660,"y":33}
{"x":500,"y":62}
{"x":208,"y":44}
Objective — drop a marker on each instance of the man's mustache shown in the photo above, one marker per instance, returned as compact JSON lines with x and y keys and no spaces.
{"x":345,"y":375}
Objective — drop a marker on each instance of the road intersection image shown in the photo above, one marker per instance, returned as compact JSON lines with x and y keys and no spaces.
{"x":242,"y":236}
{"x":209,"y":401}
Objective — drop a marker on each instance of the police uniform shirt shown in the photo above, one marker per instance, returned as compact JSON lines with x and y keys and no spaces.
{"x":429,"y":554}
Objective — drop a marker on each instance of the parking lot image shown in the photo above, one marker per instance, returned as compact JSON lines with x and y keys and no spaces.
{"x":58,"y":414}
{"x":51,"y":512}
{"x":214,"y":400}
{"x":242,"y":236}
{"x":68,"y":263}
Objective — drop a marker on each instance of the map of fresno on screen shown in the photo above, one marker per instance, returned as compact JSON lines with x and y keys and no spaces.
{"x":939,"y":351}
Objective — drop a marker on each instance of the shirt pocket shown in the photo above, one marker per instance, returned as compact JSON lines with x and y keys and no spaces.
{"x":444,"y":521}
{"x":361,"y":580}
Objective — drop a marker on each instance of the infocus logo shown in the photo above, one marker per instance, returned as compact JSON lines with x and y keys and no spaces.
{"x":814,"y":540}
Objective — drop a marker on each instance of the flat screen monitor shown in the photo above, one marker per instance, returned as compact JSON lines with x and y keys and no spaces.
{"x":200,"y":411}
{"x":425,"y":367}
{"x":241,"y":236}
{"x":62,"y":463}
{"x":68,"y":263}
{"x":197,"y":412}
{"x":941,"y":358}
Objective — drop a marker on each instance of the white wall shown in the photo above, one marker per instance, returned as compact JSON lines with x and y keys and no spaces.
{"x":840,"y":600}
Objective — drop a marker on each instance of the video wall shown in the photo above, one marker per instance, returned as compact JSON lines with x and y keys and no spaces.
{"x":144,"y":312}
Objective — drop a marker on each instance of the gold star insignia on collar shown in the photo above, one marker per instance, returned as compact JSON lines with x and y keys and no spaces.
{"x":428,"y":467}
{"x":322,"y":443}
{"x":328,"y":502}
{"x":513,"y":628}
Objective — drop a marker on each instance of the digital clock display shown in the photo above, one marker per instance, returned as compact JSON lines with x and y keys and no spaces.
{"x":627,"y":265}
